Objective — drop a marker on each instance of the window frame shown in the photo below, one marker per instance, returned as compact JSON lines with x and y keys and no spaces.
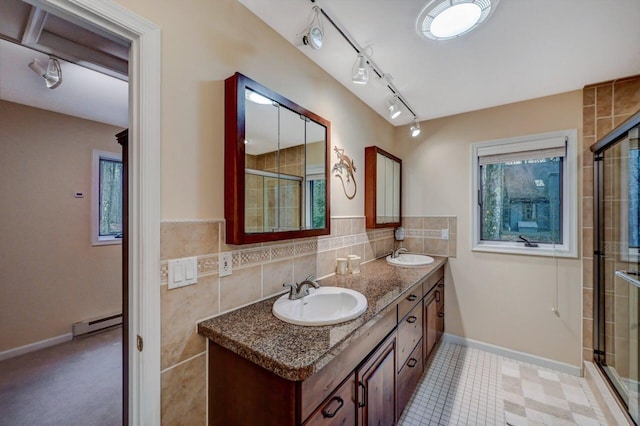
{"x":569,"y":213}
{"x":96,"y":238}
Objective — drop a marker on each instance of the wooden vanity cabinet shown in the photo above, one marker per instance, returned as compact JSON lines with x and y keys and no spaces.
{"x":369,"y":383}
{"x":433,"y":317}
{"x":339,"y":408}
{"x":377,"y":386}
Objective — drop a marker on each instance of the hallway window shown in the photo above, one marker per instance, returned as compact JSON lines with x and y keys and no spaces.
{"x":525,"y":189}
{"x":106,"y":198}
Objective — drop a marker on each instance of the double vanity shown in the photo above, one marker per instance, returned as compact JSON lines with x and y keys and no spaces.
{"x":263,"y":370}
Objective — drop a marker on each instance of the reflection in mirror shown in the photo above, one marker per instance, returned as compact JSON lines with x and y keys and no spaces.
{"x":382,"y":188}
{"x":284,"y":152}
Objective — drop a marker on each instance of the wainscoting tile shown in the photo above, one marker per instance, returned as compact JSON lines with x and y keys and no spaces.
{"x":274,"y":275}
{"x":326,"y":263}
{"x":304,"y":266}
{"x":242,"y":287}
{"x":184,"y":239}
{"x":184,"y":393}
{"x":181,"y":309}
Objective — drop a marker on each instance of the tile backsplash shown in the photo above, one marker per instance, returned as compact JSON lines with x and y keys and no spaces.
{"x":259,"y":270}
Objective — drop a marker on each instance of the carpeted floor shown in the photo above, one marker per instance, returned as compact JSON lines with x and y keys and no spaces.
{"x":74,"y":383}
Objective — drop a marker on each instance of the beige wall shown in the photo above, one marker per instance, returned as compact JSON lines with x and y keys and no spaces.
{"x":498,"y":299}
{"x":203,"y":43}
{"x":50,"y":275}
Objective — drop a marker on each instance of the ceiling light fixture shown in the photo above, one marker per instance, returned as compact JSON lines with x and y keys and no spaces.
{"x":360,"y":71}
{"x":394,"y":107}
{"x":415,"y":127}
{"x":52,"y":75}
{"x":313,"y":35}
{"x":447,"y":19}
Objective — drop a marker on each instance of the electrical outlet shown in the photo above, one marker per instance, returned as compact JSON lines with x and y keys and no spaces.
{"x":444,"y":234}
{"x":225,"y":264}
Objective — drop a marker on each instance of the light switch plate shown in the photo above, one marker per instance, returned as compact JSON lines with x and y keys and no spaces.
{"x":182,"y":272}
{"x":444,"y":234}
{"x":225,"y":264}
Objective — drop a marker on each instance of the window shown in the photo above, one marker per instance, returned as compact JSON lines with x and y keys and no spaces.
{"x":316,"y":205}
{"x":526,"y":189}
{"x":106,"y":198}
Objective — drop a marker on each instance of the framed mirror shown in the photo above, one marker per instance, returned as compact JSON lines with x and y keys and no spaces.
{"x":276,"y":166}
{"x":383,"y":188}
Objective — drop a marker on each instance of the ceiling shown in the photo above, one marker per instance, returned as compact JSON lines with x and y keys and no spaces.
{"x":527,"y":49}
{"x":94,"y":65}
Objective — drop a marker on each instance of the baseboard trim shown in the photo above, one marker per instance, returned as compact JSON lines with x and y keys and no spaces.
{"x":35,"y":346}
{"x":562,"y":367}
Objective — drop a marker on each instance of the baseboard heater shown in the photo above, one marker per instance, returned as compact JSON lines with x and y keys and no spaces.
{"x":96,"y":324}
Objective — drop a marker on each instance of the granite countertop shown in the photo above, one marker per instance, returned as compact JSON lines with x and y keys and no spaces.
{"x":296,"y":352}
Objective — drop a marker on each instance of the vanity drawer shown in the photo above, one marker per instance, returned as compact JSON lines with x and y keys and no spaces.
{"x":409,"y":333}
{"x":410,"y":299}
{"x":408,"y":378}
{"x":339,"y":408}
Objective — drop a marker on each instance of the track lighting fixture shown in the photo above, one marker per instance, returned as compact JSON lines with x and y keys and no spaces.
{"x":52,"y":75}
{"x":313,"y":35}
{"x":360,"y":72}
{"x":415,"y":127}
{"x":394,"y":107}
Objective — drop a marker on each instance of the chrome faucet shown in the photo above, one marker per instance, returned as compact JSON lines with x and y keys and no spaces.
{"x":396,"y":253}
{"x":298,"y":291}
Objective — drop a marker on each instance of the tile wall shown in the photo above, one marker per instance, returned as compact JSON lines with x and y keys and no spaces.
{"x":258,"y":272}
{"x":605,"y":106}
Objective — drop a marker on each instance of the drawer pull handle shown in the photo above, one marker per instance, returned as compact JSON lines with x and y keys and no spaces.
{"x":363,"y":402}
{"x":437,"y":296}
{"x":412,"y":319}
{"x":328,"y":415}
{"x":412,"y":362}
{"x":441,"y":314}
{"x":441,"y":285}
{"x":412,"y":297}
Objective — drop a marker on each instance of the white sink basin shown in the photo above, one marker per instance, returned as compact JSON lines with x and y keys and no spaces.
{"x":323,"y":306}
{"x":410,"y":259}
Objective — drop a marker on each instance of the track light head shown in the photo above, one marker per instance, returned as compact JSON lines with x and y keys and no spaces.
{"x":360,"y":71}
{"x":52,"y":75}
{"x":313,"y":35}
{"x":394,"y":107}
{"x":415,"y":128}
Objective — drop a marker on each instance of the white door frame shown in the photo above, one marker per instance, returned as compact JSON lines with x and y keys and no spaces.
{"x":144,"y":189}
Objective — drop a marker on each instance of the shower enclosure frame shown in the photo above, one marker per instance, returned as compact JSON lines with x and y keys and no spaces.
{"x":599,"y":336}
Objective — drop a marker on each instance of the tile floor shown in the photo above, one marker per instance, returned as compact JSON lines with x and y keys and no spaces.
{"x":465,"y":386}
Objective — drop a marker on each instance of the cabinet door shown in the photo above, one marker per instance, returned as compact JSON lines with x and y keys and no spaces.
{"x":377,"y":386}
{"x":339,"y":408}
{"x":430,"y":323}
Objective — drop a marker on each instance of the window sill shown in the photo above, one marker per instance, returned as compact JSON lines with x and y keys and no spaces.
{"x":106,"y":241}
{"x":544,"y":250}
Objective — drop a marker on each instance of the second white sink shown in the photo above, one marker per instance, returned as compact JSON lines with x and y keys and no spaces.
{"x":323,"y":306}
{"x":410,"y":259}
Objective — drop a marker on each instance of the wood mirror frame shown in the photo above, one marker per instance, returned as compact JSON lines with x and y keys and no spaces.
{"x":372,"y":187}
{"x":235,"y":164}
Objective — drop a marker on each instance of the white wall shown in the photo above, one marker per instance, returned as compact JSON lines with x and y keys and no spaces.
{"x":500,"y":299}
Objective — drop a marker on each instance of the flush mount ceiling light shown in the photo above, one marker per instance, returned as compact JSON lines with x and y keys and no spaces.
{"x":394,"y":107}
{"x":313,"y":35}
{"x":447,"y":19}
{"x":415,"y":128}
{"x":52,"y":75}
{"x":360,"y":71}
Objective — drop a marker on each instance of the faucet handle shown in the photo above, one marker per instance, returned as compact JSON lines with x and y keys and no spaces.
{"x":293,"y":290}
{"x":311,"y":280}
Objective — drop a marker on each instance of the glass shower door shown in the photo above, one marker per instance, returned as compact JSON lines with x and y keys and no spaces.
{"x":618,"y":266}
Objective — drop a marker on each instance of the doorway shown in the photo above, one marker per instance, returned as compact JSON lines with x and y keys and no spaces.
{"x":143,"y":355}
